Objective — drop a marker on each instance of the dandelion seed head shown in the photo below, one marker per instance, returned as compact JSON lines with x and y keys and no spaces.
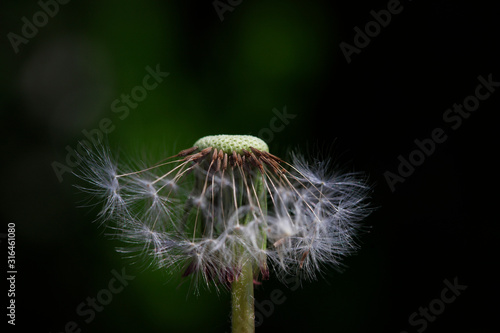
{"x":227,"y":201}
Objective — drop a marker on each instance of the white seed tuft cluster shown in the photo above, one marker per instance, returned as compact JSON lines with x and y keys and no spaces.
{"x":228,"y":201}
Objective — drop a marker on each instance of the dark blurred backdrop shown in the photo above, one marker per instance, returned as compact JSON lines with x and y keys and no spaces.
{"x":232,"y":67}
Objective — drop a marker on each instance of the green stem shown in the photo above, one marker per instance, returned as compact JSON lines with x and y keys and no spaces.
{"x":243,"y":317}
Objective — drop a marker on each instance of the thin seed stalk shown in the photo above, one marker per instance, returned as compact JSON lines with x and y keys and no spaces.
{"x":243,"y":316}
{"x":242,"y":293}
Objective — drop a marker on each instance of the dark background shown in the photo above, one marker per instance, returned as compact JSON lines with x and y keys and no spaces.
{"x":226,"y":77}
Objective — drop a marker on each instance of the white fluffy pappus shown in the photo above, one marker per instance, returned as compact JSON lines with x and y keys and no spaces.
{"x":210,"y":208}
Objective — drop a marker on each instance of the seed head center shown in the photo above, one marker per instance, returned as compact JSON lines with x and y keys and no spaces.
{"x":232,"y":143}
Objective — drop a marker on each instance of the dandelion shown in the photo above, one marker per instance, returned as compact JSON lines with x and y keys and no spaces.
{"x":225,"y":211}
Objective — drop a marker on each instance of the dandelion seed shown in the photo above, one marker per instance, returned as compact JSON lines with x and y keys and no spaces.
{"x":226,"y":209}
